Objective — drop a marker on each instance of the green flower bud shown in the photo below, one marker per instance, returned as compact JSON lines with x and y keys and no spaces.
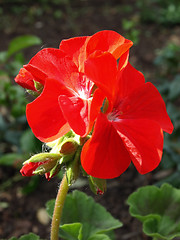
{"x":69,"y":147}
{"x":73,"y":169}
{"x":83,"y":140}
{"x":43,"y":157}
{"x":54,"y":171}
{"x":45,"y":168}
{"x":39,"y":86}
{"x":97,"y":185}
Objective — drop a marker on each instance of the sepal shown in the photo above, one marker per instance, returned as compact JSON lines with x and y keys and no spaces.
{"x":73,"y":169}
{"x":40,"y":164}
{"x":45,"y":168}
{"x":69,"y":146}
{"x":54,"y":171}
{"x":97,"y":185}
{"x":39,"y":86}
{"x":42,"y":157}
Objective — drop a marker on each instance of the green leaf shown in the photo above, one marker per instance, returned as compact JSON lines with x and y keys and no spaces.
{"x":29,"y":143}
{"x":10,"y":159}
{"x":80,"y":208}
{"x":174,"y":90}
{"x":99,"y":237}
{"x":3,"y":56}
{"x":158,"y":209}
{"x":30,"y":236}
{"x":22,"y":42}
{"x":71,"y":231}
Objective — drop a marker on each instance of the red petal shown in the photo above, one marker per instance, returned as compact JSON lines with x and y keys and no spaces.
{"x":104,"y":155}
{"x":146,"y":103}
{"x":51,"y":63}
{"x":109,"y":41}
{"x":76,"y":49}
{"x":25,"y":79}
{"x":28,"y":169}
{"x":37,"y":74}
{"x":123,"y":61}
{"x":76,"y":112}
{"x":44,"y":114}
{"x":81,"y":113}
{"x":144,"y":141}
{"x":101,"y":68}
{"x":129,"y":80}
{"x":97,"y":102}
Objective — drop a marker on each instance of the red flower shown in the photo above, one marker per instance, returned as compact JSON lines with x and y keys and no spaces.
{"x":66,"y":101}
{"x":131,"y":129}
{"x":28,"y":169}
{"x":79,"y":48}
{"x":25,"y":79}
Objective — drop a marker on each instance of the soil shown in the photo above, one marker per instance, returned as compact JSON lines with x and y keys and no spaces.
{"x":21,"y":215}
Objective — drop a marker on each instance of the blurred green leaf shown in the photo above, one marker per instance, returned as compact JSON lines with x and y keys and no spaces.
{"x":158,"y":209}
{"x":99,"y":237}
{"x":31,"y":186}
{"x":10,"y":159}
{"x":29,"y":143}
{"x":29,"y":236}
{"x":174,"y":90}
{"x":12,"y":136}
{"x":22,"y":42}
{"x":3,"y":57}
{"x":80,"y":208}
{"x":3,"y":124}
{"x":4,"y":205}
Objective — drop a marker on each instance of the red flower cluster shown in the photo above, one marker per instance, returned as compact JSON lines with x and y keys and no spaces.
{"x":84,"y":87}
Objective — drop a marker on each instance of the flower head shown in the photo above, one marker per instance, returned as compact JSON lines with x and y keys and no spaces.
{"x":67,"y":89}
{"x":131,"y":129}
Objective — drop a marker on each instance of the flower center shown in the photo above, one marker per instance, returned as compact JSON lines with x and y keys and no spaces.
{"x":85,"y":87}
{"x":115,"y":115}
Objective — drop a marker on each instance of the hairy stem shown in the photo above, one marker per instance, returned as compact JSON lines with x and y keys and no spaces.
{"x":60,"y":199}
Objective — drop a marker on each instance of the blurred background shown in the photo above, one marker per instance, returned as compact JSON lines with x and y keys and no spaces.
{"x":29,"y":26}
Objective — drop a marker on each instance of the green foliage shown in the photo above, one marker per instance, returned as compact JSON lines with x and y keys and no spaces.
{"x":83,"y":219}
{"x":130,"y":27}
{"x":22,"y":42}
{"x":168,"y":67}
{"x":12,"y":59}
{"x":168,"y":60}
{"x":158,"y":209}
{"x":30,"y":236}
{"x":14,"y":159}
{"x":160,"y":11}
{"x":14,"y":138}
{"x":31,"y":186}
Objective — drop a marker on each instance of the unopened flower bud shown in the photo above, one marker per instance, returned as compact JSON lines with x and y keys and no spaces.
{"x":38,"y":89}
{"x":83,"y":140}
{"x":73,"y":169}
{"x":53,"y":172}
{"x":42,"y":157}
{"x":39,"y":86}
{"x":97,"y":185}
{"x":45,"y":167}
{"x":40,"y":164}
{"x":69,"y":147}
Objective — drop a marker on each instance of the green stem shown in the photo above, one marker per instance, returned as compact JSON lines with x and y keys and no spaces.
{"x":60,"y":199}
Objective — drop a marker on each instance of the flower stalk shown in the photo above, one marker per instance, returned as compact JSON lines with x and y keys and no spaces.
{"x":60,"y":199}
